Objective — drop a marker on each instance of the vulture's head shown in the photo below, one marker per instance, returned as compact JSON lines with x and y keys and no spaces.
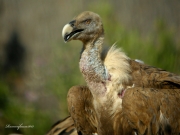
{"x":86,"y":27}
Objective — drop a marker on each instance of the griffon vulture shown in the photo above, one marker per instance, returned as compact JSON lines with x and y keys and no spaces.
{"x":122,"y":96}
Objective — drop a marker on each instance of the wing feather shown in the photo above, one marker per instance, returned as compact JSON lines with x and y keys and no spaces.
{"x":152,"y":110}
{"x":63,"y":127}
{"x":151,"y":77}
{"x":81,"y":109}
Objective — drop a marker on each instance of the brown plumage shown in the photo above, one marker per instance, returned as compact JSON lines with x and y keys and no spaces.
{"x":63,"y":127}
{"x":108,"y":80}
{"x":152,"y":111}
{"x":80,"y":105}
{"x":151,"y":77}
{"x":145,"y":111}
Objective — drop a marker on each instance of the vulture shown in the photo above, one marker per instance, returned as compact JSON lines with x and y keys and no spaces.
{"x":122,"y":96}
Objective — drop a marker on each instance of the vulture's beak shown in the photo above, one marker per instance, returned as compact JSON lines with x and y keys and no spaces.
{"x":69,"y":31}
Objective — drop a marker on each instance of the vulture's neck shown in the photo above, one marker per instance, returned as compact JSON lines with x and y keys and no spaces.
{"x":92,"y":67}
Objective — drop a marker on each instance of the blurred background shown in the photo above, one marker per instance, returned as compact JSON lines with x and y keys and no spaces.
{"x":37,"y":68}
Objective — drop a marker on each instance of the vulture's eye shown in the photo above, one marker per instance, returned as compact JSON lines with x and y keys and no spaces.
{"x":88,"y":21}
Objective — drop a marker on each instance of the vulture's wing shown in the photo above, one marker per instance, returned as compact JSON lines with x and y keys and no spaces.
{"x":152,"y":111}
{"x":151,"y":77}
{"x":80,"y":106}
{"x":63,"y":127}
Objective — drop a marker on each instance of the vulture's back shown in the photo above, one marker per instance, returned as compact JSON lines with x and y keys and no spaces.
{"x":151,"y":77}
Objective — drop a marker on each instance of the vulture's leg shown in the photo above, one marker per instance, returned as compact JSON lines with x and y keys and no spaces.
{"x":81,"y":110}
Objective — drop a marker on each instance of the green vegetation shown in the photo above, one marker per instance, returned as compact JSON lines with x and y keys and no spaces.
{"x":159,"y":50}
{"x":14,"y":112}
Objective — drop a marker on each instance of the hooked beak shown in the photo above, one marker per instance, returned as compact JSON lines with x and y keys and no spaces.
{"x":69,"y":31}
